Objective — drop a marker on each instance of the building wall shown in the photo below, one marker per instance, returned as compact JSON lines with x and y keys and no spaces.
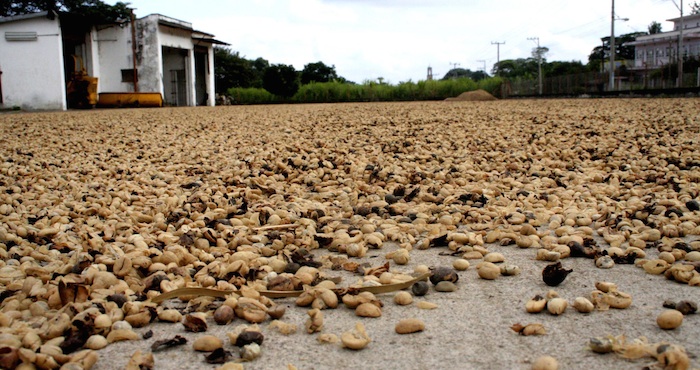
{"x":661,"y":53}
{"x":114,"y":54}
{"x":654,"y":51}
{"x":149,"y":55}
{"x":32,"y":71}
{"x":210,"y":77}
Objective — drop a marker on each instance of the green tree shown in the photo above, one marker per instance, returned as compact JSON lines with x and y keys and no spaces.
{"x":601,"y":54}
{"x":479,"y":75}
{"x":516,"y":68}
{"x":457,"y":73}
{"x":465,"y":73}
{"x":540,"y":52}
{"x":654,"y":28}
{"x":695,"y":8}
{"x":561,"y":68}
{"x":318,"y":72}
{"x":90,"y":11}
{"x":231,"y":70}
{"x":281,"y":80}
{"x":259,"y":67}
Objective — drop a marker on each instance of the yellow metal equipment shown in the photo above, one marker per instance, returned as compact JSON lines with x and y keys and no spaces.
{"x":130,"y":99}
{"x":81,"y":89}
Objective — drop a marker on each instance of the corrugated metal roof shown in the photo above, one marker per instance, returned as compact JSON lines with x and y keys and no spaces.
{"x":15,"y":18}
{"x":210,"y":40}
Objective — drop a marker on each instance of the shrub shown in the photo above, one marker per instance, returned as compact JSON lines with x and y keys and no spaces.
{"x":370,"y":91}
{"x":250,"y":95}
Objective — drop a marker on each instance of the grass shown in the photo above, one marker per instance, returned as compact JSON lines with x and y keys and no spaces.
{"x":336,"y":92}
{"x":251,"y":96}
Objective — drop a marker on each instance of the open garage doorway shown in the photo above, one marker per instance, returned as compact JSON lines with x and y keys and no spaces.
{"x":201,"y":69}
{"x":175,"y":76}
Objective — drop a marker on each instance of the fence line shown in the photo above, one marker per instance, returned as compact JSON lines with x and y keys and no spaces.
{"x":593,"y":83}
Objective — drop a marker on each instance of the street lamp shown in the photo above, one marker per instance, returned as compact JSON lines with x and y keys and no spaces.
{"x":613,"y":18}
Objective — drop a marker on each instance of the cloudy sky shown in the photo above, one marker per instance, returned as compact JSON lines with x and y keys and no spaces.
{"x":399,"y":39}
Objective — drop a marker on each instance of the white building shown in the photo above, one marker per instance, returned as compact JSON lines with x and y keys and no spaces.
{"x":152,"y":54}
{"x":655,"y":51}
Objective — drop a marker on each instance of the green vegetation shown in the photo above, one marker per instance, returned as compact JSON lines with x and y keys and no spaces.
{"x":461,"y":72}
{"x":370,"y":91}
{"x":319,"y":83}
{"x":319,"y":72}
{"x":87,"y":11}
{"x":601,"y":54}
{"x":233,"y":70}
{"x":251,"y":95}
{"x":281,"y":80}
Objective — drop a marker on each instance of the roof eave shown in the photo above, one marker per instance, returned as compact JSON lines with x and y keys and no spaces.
{"x":20,"y":17}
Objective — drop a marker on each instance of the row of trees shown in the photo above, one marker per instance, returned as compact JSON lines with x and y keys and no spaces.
{"x":465,"y":73}
{"x":91,"y":11}
{"x":235,"y":71}
{"x":527,"y":68}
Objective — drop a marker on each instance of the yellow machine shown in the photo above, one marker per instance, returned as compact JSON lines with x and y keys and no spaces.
{"x":81,"y":89}
{"x":82,"y":92}
{"x":131,"y":99}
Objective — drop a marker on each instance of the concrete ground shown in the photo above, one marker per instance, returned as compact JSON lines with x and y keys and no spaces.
{"x":470,"y":329}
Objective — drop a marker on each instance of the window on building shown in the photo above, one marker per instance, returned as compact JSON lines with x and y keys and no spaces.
{"x":127,"y":75}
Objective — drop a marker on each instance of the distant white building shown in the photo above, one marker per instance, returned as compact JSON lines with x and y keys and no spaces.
{"x":154,"y":54}
{"x":657,"y":50}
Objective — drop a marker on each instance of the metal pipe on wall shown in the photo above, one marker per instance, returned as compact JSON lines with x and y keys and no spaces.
{"x":133,"y":51}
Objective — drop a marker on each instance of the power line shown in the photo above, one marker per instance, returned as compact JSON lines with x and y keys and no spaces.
{"x":591,"y":23}
{"x":483,"y":61}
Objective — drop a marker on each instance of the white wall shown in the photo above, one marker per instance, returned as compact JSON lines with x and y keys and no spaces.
{"x":114,"y":54}
{"x":32,"y":71}
{"x":93,"y":65}
{"x":149,"y":55}
{"x":210,"y":78}
{"x":175,"y":37}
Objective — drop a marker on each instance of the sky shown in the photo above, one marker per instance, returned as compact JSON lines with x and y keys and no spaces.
{"x":399,"y":39}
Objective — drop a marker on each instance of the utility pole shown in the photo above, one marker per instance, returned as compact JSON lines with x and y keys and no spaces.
{"x":539,"y":61}
{"x":454,"y":66}
{"x":611,"y":83}
{"x":679,"y":81}
{"x":613,"y":18}
{"x":498,"y":50}
{"x":482,"y":61}
{"x":680,"y":51}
